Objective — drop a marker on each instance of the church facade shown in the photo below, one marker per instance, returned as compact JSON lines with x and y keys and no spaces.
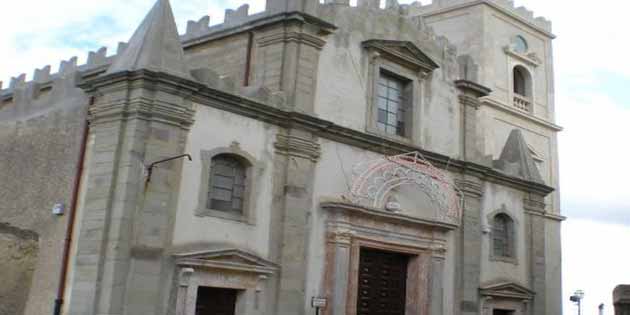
{"x":314,"y":158}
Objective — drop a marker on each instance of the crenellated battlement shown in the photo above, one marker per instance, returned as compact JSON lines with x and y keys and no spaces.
{"x":21,"y":91}
{"x":233,"y":18}
{"x":508,"y":5}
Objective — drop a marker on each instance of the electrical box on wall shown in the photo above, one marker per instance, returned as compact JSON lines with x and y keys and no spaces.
{"x":58,"y":209}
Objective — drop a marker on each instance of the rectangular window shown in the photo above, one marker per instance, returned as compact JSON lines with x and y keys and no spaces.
{"x":392,"y":104}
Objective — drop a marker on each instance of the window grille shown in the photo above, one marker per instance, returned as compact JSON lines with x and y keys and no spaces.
{"x":502,"y":236}
{"x":227,"y":183}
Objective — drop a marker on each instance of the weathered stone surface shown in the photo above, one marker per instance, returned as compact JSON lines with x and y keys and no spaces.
{"x":18,"y":259}
{"x":516,"y":159}
{"x":155,"y":45}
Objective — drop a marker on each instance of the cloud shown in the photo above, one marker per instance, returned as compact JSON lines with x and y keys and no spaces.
{"x":592,"y":105}
{"x":35,"y":38}
{"x":594,"y":154}
{"x":594,"y":260}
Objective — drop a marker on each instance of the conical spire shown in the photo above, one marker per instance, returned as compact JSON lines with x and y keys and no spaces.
{"x":516,"y":160}
{"x":155,"y":45}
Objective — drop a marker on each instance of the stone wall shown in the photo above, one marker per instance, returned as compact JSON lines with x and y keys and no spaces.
{"x":18,"y":256}
{"x":40,"y":133}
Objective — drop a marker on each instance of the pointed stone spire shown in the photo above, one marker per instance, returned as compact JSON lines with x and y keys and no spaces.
{"x":516,"y":160}
{"x":155,"y":45}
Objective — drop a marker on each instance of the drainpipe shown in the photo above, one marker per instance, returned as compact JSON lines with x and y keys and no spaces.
{"x":248,"y":58}
{"x":70,"y":227}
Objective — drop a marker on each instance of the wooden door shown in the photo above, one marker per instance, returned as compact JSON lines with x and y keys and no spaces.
{"x":215,"y":301}
{"x":382,"y":283}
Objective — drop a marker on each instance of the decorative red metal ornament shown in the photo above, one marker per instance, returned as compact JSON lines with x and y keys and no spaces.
{"x":373,"y":181}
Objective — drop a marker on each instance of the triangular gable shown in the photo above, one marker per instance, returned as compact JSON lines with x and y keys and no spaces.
{"x":516,"y":159}
{"x":229,"y":258}
{"x":405,"y":51}
{"x":507,"y":289}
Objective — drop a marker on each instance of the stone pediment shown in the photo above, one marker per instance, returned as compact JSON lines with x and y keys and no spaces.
{"x":226,"y":259}
{"x":403,"y":52}
{"x":507,"y":289}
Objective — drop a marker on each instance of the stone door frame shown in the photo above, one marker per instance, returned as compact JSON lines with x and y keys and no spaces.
{"x":350,"y":227}
{"x":223,"y":268}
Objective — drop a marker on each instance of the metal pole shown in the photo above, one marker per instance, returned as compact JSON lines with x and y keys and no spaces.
{"x":580,"y":307}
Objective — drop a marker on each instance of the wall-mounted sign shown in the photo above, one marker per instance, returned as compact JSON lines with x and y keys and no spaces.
{"x":319,"y":302}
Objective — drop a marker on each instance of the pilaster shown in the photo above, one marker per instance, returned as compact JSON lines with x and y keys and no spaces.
{"x":471,"y":142}
{"x":137,"y":118}
{"x":288,"y":59}
{"x":297,"y":152}
{"x":468,"y":268}
{"x":534,"y":206}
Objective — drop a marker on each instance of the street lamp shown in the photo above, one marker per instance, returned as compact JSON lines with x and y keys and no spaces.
{"x":577,"y":298}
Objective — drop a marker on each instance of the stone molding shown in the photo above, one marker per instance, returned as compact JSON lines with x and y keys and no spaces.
{"x":473,"y":88}
{"x":227,"y":259}
{"x":547,"y":215}
{"x":403,"y":52}
{"x":385,"y":216}
{"x":490,"y":101}
{"x":507,"y":289}
{"x":298,"y":147}
{"x":468,"y":100}
{"x":297,"y":37}
{"x":530,"y":59}
{"x":236,"y":104}
{"x":470,"y":188}
{"x":534,"y":204}
{"x":140,"y":107}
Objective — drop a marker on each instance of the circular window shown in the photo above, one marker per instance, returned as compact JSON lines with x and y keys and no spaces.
{"x":520,"y":44}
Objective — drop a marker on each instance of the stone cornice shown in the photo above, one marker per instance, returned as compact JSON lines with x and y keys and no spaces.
{"x":298,"y":37}
{"x":547,"y":215}
{"x":470,"y":188}
{"x":140,"y":107}
{"x":240,"y":105}
{"x":385,"y":215}
{"x":297,"y":147}
{"x":470,"y":86}
{"x":529,"y":59}
{"x":412,"y":57}
{"x":375,"y":143}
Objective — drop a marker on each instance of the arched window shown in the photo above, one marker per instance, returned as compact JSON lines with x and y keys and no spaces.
{"x":227,"y":183}
{"x":522,"y":82}
{"x":503,"y":236}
